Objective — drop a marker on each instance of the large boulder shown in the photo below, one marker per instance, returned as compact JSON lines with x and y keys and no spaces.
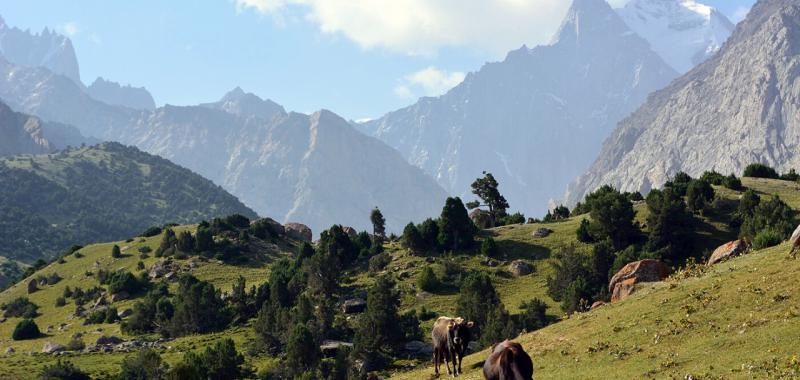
{"x":542,"y":232}
{"x":108,"y":340}
{"x":274,"y":226}
{"x":52,"y":348}
{"x":354,"y":306}
{"x":416,"y":347}
{"x":520,"y":268}
{"x":623,"y":283}
{"x":350,"y":231}
{"x":299,"y":231}
{"x":330,"y":348}
{"x":728,"y":250}
{"x":121,"y":296}
{"x":32,"y":286}
{"x":481,"y":218}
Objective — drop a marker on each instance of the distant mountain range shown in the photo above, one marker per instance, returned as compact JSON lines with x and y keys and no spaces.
{"x":109,"y":191}
{"x":739,"y":107}
{"x":47,"y":49}
{"x":25,"y":134}
{"x":537,"y":119}
{"x":117,"y":95}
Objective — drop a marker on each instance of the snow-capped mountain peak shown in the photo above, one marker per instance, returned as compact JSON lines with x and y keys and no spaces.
{"x":683,"y":32}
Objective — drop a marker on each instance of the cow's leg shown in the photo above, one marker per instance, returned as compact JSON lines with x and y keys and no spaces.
{"x":459,"y":358}
{"x":436,"y":362}
{"x":447,"y":359}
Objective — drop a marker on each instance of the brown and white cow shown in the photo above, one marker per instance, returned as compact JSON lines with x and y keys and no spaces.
{"x":451,"y":337}
{"x":508,"y":361}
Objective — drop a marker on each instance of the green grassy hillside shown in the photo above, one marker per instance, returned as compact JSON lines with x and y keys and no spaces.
{"x":100,"y":193}
{"x":744,"y":311}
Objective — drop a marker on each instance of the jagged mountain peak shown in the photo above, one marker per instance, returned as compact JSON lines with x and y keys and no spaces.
{"x":48,"y":49}
{"x":113,"y":93}
{"x":683,"y":32}
{"x":247,"y":104}
{"x":589,"y":19}
{"x":737,"y":108}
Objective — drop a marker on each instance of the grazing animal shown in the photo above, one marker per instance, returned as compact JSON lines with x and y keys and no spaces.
{"x":508,"y":361}
{"x":451,"y":337}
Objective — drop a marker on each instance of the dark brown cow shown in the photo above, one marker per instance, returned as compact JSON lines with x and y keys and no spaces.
{"x":451,"y":337}
{"x":508,"y":361}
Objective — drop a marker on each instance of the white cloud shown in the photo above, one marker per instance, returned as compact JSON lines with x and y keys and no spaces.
{"x":429,"y":81}
{"x":70,"y":28}
{"x":424,"y":26}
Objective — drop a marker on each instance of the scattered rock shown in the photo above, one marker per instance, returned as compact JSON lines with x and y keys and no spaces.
{"x":404,"y":275}
{"x":489,"y":262}
{"x":100,"y":302}
{"x":32,"y":286}
{"x":3,"y":319}
{"x":727,"y":251}
{"x":121,"y":296}
{"x":124,"y":313}
{"x":329,"y":348}
{"x":10,"y":350}
{"x":423,"y":295}
{"x":542,"y":232}
{"x":623,"y":283}
{"x":299,"y":231}
{"x":171,"y":276}
{"x":51,"y":348}
{"x":354,"y":306}
{"x":160,"y":268}
{"x":520,"y":268}
{"x":481,"y":218}
{"x":598,"y":304}
{"x":108,"y":340}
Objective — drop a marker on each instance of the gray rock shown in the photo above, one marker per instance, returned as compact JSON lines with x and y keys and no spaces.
{"x":108,"y":340}
{"x":330,"y":348}
{"x":51,"y":348}
{"x":542,"y":232}
{"x":354,"y":306}
{"x":10,"y":350}
{"x":121,"y":296}
{"x":350,"y":231}
{"x":299,"y":231}
{"x":161,"y":267}
{"x":520,"y":268}
{"x":737,"y":108}
{"x":124,"y":313}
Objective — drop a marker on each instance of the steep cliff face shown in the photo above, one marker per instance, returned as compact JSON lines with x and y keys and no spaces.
{"x":537,"y":119}
{"x":739,"y":107}
{"x":115,"y":94}
{"x":25,"y":134}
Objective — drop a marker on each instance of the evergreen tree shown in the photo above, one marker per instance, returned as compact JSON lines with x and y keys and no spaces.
{"x":185,"y":242}
{"x":144,"y":365}
{"x":204,"y":241}
{"x":533,"y":315}
{"x":583,"y":233}
{"x":412,"y":239}
{"x":489,"y":248}
{"x":62,"y":371}
{"x":477,"y":298}
{"x":427,"y":280}
{"x":168,"y":243}
{"x":378,"y":223}
{"x":377,"y":331}
{"x":679,"y":183}
{"x":486,"y":189}
{"x":612,"y":217}
{"x":115,"y":252}
{"x":26,"y":329}
{"x":198,"y":308}
{"x":302,"y":352}
{"x":671,"y":233}
{"x":498,"y":327}
{"x":219,"y":362}
{"x":456,"y":230}
{"x":774,"y":215}
{"x":429,"y":229}
{"x":699,"y":195}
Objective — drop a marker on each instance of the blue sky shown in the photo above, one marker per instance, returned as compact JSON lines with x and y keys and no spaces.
{"x":359,"y":58}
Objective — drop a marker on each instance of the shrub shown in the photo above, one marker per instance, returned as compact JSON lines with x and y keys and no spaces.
{"x":20,"y":307}
{"x":144,"y":365}
{"x":515,"y":218}
{"x":760,"y":171}
{"x":427,"y":280}
{"x":773,"y":214}
{"x":150,"y":232}
{"x":791,"y":176}
{"x":60,"y":301}
{"x":679,"y":183}
{"x":75,"y":344}
{"x":115,"y":252}
{"x":62,"y":371}
{"x":378,"y":262}
{"x":699,"y":195}
{"x":145,"y":249}
{"x":412,"y":239}
{"x":732,"y":183}
{"x":220,"y":361}
{"x":533,"y":315}
{"x":476,"y":299}
{"x":767,"y":238}
{"x":26,"y":329}
{"x":489,"y":248}
{"x":584,"y":233}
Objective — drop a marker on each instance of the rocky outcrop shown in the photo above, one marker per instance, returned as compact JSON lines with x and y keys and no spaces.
{"x":542,"y":112}
{"x":32,"y":286}
{"x":299,"y":231}
{"x":520,"y":268}
{"x":330,"y":348}
{"x":46,"y":49}
{"x":113,"y":93}
{"x":727,"y":251}
{"x":354,"y":306}
{"x":623,"y":283}
{"x":737,"y":108}
{"x":52,"y":348}
{"x":350,"y":231}
{"x":481,"y":219}
{"x":542,"y":232}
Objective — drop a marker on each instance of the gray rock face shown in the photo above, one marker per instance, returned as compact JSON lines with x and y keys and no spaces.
{"x":52,"y":348}
{"x":114,"y":94}
{"x":737,"y":108}
{"x":47,"y":49}
{"x":551,"y":105}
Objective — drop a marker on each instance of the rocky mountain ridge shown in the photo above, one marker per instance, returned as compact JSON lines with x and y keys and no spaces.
{"x":737,"y":108}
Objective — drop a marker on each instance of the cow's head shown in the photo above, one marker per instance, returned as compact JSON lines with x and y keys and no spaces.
{"x":459,"y":332}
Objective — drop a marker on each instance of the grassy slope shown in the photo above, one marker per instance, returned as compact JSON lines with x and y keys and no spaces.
{"x":20,"y":364}
{"x":556,"y":348}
